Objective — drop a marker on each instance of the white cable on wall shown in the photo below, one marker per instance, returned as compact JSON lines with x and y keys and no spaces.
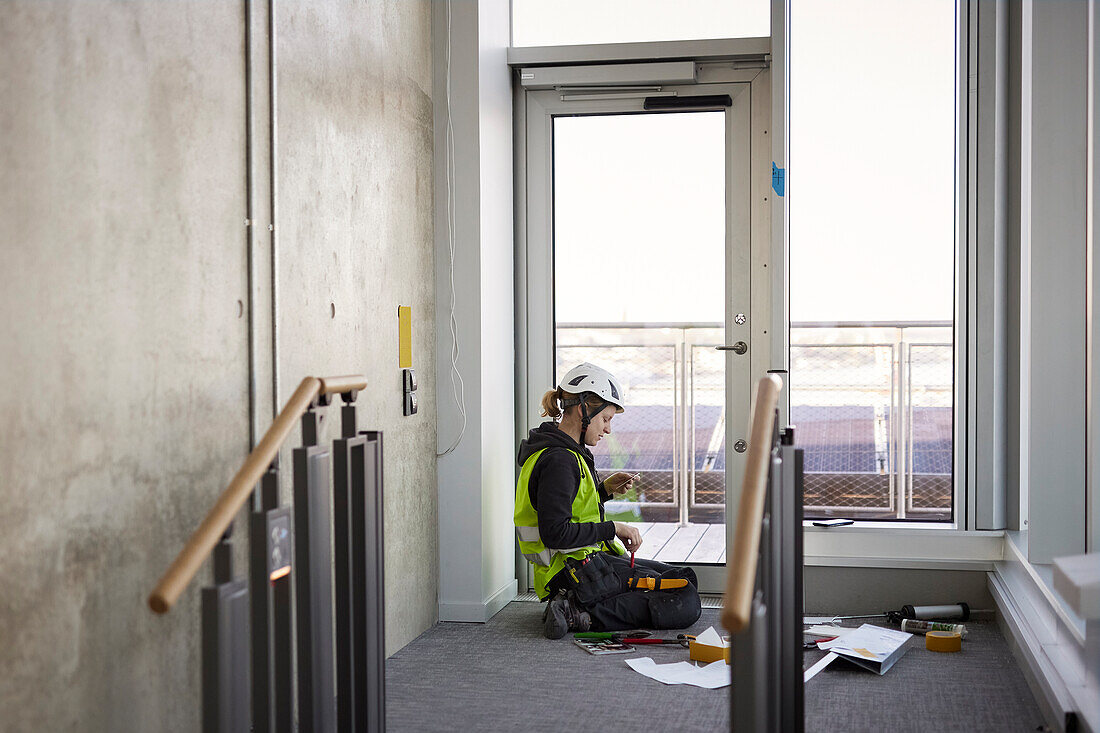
{"x":457,"y":386}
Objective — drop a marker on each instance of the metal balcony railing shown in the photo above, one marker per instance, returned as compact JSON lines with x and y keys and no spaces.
{"x":871,"y":404}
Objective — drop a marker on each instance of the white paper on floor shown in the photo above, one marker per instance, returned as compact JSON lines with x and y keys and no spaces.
{"x":822,"y":663}
{"x":827,"y":631}
{"x":710,"y":637}
{"x":711,"y":676}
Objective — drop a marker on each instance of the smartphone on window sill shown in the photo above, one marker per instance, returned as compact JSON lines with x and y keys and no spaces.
{"x":833,"y":522}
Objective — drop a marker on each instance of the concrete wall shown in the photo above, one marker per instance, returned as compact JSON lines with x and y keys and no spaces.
{"x":355,"y":213}
{"x":125,"y":314}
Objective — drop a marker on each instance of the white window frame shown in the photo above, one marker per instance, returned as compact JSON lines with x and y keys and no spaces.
{"x":960,"y":545}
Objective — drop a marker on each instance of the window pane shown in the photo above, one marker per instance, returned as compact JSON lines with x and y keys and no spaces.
{"x":571,"y":22}
{"x":872,"y":264}
{"x":872,"y":159}
{"x":638,"y":199}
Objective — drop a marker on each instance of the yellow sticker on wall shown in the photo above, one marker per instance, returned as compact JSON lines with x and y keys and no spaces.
{"x":404,"y":336}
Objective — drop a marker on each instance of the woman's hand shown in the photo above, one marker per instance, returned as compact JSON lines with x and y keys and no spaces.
{"x":620,"y":482}
{"x":630,"y":536}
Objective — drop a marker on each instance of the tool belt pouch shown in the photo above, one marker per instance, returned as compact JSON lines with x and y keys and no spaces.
{"x":592,"y":579}
{"x":677,"y":608}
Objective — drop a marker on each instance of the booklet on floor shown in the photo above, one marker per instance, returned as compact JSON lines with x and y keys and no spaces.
{"x":871,"y":647}
{"x":603,"y":646}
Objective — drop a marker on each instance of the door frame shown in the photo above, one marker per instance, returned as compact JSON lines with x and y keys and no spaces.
{"x":751,"y":273}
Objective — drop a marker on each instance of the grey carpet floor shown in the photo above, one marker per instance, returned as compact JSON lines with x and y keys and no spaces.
{"x":504,"y":676}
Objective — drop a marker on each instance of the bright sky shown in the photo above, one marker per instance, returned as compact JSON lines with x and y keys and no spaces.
{"x":872,"y":159}
{"x":640,"y":196}
{"x":870,"y":175}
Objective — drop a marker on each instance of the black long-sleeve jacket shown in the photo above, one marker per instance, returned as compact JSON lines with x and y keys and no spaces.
{"x":555,"y":481}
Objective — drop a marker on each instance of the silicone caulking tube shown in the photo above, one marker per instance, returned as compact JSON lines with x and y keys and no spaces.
{"x":917,"y":626}
{"x":960,"y":611}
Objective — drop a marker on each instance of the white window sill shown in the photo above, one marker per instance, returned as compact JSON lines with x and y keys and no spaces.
{"x":876,"y":546}
{"x":884,"y":525}
{"x":902,"y":545}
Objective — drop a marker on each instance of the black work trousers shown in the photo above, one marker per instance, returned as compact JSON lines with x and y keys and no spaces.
{"x":641,"y":609}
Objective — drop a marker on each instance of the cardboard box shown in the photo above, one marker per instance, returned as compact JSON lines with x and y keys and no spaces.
{"x":708,"y":652}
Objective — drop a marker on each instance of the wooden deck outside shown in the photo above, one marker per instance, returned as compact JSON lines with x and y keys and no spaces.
{"x":669,"y":542}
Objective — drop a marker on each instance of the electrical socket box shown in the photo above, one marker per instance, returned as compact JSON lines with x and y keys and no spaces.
{"x":408,"y":379}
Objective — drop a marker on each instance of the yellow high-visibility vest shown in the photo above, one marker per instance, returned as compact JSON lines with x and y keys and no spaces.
{"x":549,"y":561}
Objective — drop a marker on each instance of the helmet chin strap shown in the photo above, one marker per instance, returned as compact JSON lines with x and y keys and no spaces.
{"x":586,"y":419}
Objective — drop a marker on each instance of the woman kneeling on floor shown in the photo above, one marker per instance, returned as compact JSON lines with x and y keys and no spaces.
{"x":581,"y":569}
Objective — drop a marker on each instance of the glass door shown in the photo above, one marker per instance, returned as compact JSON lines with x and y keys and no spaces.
{"x":638,"y":239}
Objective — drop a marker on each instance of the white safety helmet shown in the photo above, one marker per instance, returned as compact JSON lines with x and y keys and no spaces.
{"x":585,"y":378}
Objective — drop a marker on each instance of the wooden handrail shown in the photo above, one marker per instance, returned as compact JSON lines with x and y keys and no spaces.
{"x":741,"y":563}
{"x":349,"y":383}
{"x":203,"y":540}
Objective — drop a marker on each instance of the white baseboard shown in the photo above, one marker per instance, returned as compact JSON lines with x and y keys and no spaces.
{"x":1044,"y":681}
{"x":1049,"y":652}
{"x":479,"y":612}
{"x":501,"y":598}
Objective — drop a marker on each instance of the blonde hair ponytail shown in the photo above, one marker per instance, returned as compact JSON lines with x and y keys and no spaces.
{"x":551,"y":404}
{"x":552,"y":400}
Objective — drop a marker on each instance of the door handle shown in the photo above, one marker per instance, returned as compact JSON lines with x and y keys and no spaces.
{"x":738,"y":348}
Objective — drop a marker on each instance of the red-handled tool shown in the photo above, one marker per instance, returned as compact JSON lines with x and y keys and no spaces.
{"x":632,"y":558}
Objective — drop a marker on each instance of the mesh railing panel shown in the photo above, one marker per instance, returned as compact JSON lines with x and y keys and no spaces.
{"x":930,"y":428}
{"x":708,"y":437}
{"x":840,"y":407}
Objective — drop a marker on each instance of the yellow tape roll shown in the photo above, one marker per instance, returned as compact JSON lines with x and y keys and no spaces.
{"x":943,"y":641}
